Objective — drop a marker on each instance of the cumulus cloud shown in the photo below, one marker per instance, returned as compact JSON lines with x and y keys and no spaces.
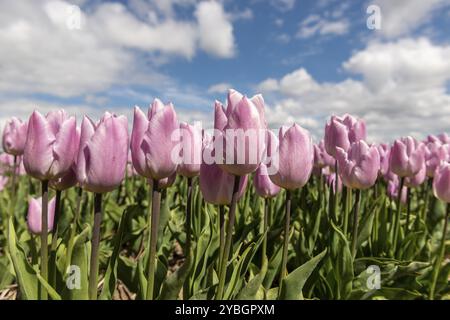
{"x":400,"y":17}
{"x":402,"y":91}
{"x":42,"y":54}
{"x":215,"y":30}
{"x":219,"y":88}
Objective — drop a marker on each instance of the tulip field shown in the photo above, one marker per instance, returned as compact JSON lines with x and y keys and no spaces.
{"x":152,"y":208}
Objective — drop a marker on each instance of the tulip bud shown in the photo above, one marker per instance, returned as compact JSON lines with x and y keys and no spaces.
{"x":50,"y":148}
{"x":392,"y":190}
{"x":359,"y":168}
{"x":244,"y":134}
{"x":441,"y":182}
{"x":102,"y":156}
{"x":407,"y":157}
{"x":220,"y":119}
{"x":152,"y":143}
{"x":263,"y":185}
{"x":435,"y":153}
{"x":384,"y":151}
{"x":336,"y":135}
{"x":296,"y":158}
{"x":34,"y":217}
{"x":217,"y":185}
{"x":191,"y":157}
{"x":321,"y":157}
{"x":15,"y":136}
{"x":416,"y":180}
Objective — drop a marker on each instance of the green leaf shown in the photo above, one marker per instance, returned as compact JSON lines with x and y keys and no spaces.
{"x":250,"y":291}
{"x":292,"y":285}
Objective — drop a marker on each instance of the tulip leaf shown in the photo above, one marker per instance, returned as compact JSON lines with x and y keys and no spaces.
{"x":250,"y":291}
{"x":292,"y":285}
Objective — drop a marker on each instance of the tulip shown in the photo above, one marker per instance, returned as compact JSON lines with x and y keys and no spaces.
{"x":243,"y":134}
{"x":444,"y":138}
{"x":101,"y":165}
{"x":264,"y":187}
{"x":331,"y":181}
{"x":295,"y":162}
{"x":321,"y":157}
{"x":14,"y":136}
{"x":342,"y":131}
{"x":441,"y":189}
{"x":392,"y":190}
{"x":406,"y":157}
{"x":51,"y":145}
{"x":49,"y":152}
{"x":384,"y":152}
{"x":191,"y":151}
{"x":296,"y":158}
{"x":151,"y":141}
{"x":416,"y":180}
{"x":216,"y":184}
{"x":35,"y":212}
{"x":434,"y":154}
{"x":220,"y":118}
{"x":152,"y":145}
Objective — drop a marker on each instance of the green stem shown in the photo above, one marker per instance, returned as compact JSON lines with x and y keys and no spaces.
{"x":153,"y":225}
{"x":287,"y":221}
{"x":428,"y":188}
{"x":93,"y":271}
{"x":228,"y":240}
{"x":265,"y":224}
{"x":408,"y":209}
{"x":73,"y":227}
{"x":52,"y":265}
{"x":44,"y":238}
{"x":221,"y":233}
{"x":187,"y":248}
{"x":348,"y":206}
{"x":336,"y":193}
{"x":397,"y":216}
{"x":355,"y":222}
{"x":440,"y":257}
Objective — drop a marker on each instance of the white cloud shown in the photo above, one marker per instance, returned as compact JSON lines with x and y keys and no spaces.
{"x":283,"y":5}
{"x":413,"y":100}
{"x":403,"y":16}
{"x":316,"y":25}
{"x":221,"y":88}
{"x":215,"y":29}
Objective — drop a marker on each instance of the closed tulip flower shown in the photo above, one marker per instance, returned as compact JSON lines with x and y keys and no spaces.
{"x":444,"y":138}
{"x":35,"y":213}
{"x":359,"y":167}
{"x":263,"y":185}
{"x":102,"y":156}
{"x":384,"y":151}
{"x":416,"y":180}
{"x":296,"y":158}
{"x":15,"y":136}
{"x":342,"y":131}
{"x":406,"y":157}
{"x":51,"y":145}
{"x":321,"y":157}
{"x":244,"y":133}
{"x":435,"y":153}
{"x":441,"y":182}
{"x":151,"y":141}
{"x":330,"y":179}
{"x":392,"y":190}
{"x":191,"y":151}
{"x":220,"y":118}
{"x":216,"y":184}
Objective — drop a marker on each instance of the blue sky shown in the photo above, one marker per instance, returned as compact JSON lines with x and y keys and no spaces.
{"x":309,"y":59}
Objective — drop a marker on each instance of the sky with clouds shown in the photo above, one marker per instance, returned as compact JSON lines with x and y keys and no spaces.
{"x":309,"y":59}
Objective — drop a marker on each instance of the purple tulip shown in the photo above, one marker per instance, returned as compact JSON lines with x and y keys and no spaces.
{"x":435,"y":153}
{"x":342,"y":131}
{"x":441,"y":182}
{"x":35,"y":213}
{"x":15,"y":136}
{"x":295,"y":157}
{"x":263,"y":185}
{"x":191,"y":151}
{"x":151,"y":141}
{"x":51,"y":145}
{"x":330,"y":179}
{"x":321,"y":157}
{"x":444,"y":138}
{"x":216,"y":184}
{"x":407,"y":157}
{"x":102,"y":156}
{"x":220,"y":118}
{"x":244,"y":133}
{"x":416,"y":180}
{"x":392,"y":190}
{"x":384,"y":151}
{"x":69,"y":180}
{"x":359,"y":167}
